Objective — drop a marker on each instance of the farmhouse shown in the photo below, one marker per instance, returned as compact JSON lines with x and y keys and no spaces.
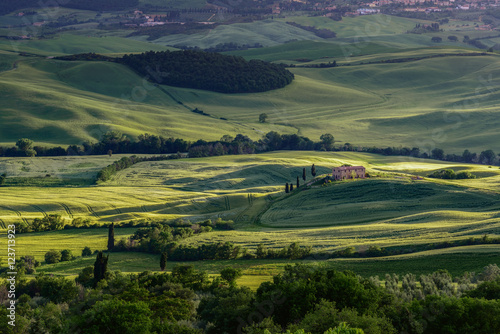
{"x":348,"y":172}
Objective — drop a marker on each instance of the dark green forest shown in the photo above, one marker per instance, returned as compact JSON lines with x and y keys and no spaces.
{"x":209,"y":71}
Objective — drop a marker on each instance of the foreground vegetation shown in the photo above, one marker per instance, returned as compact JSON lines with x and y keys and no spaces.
{"x":300,"y":298}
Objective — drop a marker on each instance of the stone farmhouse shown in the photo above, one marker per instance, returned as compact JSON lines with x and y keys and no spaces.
{"x":348,"y":172}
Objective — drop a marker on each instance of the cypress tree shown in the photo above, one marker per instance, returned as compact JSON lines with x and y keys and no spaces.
{"x":313,"y":170}
{"x":100,"y":268}
{"x":163,"y":261}
{"x":291,"y":186}
{"x":287,"y":190}
{"x":298,"y":185}
{"x":303,"y":174}
{"x":111,"y":236}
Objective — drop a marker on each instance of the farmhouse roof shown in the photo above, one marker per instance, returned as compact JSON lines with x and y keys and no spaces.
{"x":349,"y":167}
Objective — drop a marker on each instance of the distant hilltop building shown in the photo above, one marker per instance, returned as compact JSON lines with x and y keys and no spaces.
{"x":348,"y":172}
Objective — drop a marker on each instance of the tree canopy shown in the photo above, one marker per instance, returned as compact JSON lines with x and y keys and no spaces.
{"x":209,"y":71}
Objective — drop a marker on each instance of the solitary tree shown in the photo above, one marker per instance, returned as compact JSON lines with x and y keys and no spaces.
{"x":67,"y":255}
{"x":25,"y":145}
{"x":111,"y":236}
{"x":304,"y":174}
{"x":100,"y":267}
{"x":298,"y":184}
{"x":436,"y":39}
{"x":291,"y":186}
{"x":327,"y":141}
{"x":313,"y":170}
{"x":3,"y":177}
{"x":287,"y":189}
{"x":86,"y":251}
{"x":53,"y":256}
{"x":163,"y":261}
{"x":262,"y":118}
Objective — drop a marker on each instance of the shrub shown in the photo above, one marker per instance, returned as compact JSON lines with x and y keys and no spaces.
{"x":53,"y":256}
{"x":86,"y":251}
{"x":66,"y":255}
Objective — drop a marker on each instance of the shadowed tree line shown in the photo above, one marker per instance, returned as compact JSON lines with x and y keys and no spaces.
{"x":114,"y":142}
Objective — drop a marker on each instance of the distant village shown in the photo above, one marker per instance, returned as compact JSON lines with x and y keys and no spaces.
{"x":334,"y":9}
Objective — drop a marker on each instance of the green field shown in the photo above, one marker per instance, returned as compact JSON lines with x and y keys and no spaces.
{"x":267,"y":33}
{"x":389,"y":210}
{"x":74,"y":44}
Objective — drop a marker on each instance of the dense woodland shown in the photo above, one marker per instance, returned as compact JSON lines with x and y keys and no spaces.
{"x":302,"y":299}
{"x":201,"y":70}
{"x":209,"y":71}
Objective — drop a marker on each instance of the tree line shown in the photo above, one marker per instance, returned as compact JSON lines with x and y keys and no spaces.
{"x":114,"y":142}
{"x":107,"y":172}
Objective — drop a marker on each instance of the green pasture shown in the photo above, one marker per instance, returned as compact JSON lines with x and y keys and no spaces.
{"x":64,"y":44}
{"x":368,"y":25}
{"x":390,"y":209}
{"x":266,"y":32}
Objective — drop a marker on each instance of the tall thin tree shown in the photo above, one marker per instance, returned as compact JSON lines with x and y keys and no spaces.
{"x":304,"y":173}
{"x":298,"y":184}
{"x":313,"y":170}
{"x":287,"y":189}
{"x":111,"y":236}
{"x":100,"y":267}
{"x":291,"y":186}
{"x":163,"y":261}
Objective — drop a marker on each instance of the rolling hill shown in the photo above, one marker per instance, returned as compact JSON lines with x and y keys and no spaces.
{"x":426,"y":103}
{"x":423,"y":100}
{"x":250,"y":191}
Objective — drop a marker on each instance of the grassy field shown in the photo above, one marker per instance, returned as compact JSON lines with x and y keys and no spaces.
{"x":267,"y":33}
{"x":70,"y":44}
{"x":386,"y":211}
